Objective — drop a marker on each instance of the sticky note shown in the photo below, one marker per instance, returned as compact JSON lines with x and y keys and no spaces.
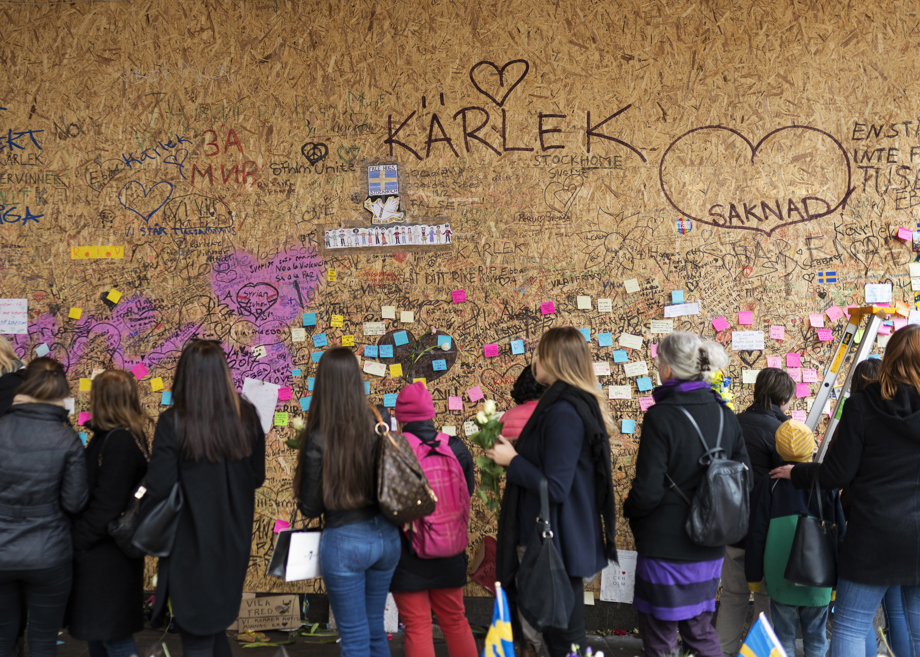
{"x":449,"y":429}
{"x":367,"y":387}
{"x":86,"y":385}
{"x":475,"y":394}
{"x":639,"y":368}
{"x":801,"y":416}
{"x":377,"y":369}
{"x":825,"y":335}
{"x":619,"y":392}
{"x":490,"y":350}
{"x":139,"y":371}
{"x":905,"y":234}
{"x":388,"y":312}
{"x":517,"y":346}
{"x":834,"y":313}
{"x":259,"y":351}
{"x":720,"y":323}
{"x":281,"y":525}
{"x":284,"y":393}
{"x":331,"y":275}
{"x":745,"y":318}
{"x":296,"y":372}
{"x":604,"y":306}
{"x":319,"y":340}
{"x":315,"y":356}
{"x":439,"y":365}
{"x":646,"y":403}
{"x":389,"y":400}
{"x":455,"y":403}
{"x":348,"y":341}
{"x":458,"y":296}
{"x":305,"y":403}
{"x":83,"y":438}
{"x":583,"y":302}
{"x":631,"y":285}
{"x":370,"y":351}
{"x":749,"y":377}
{"x":627,"y":426}
{"x":793,"y":360}
{"x":469,"y":428}
{"x":816,"y":320}
{"x":801,"y":390}
{"x":337,"y":321}
{"x":156,"y":384}
{"x":83,"y":418}
{"x":775,"y":362}
{"x":407,"y":317}
{"x":605,"y":339}
{"x":421,"y":380}
{"x":659,"y":326}
{"x":309,"y":319}
{"x":778,"y":332}
{"x":677,"y":296}
{"x":810,"y":375}
{"x":311,"y":381}
{"x":795,"y":373}
{"x":396,"y":370}
{"x":75,"y":313}
{"x":644,"y":383}
{"x":298,"y":334}
{"x":281,"y":419}
{"x":386,"y":351}
{"x":654,"y":349}
{"x":166,"y":399}
{"x":630,"y":341}
{"x":400,"y":338}
{"x":42,"y":350}
{"x":859,"y":335}
{"x":601,"y":368}
{"x":114,"y":295}
{"x":547,"y":308}
{"x":620,"y":356}
{"x":445,"y":340}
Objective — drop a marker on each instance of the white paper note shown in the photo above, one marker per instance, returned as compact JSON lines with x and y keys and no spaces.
{"x":14,"y":316}
{"x":374,"y":328}
{"x":747,"y":340}
{"x":583,"y":302}
{"x":618,"y":579}
{"x":619,"y":392}
{"x":630,"y":341}
{"x":388,"y":312}
{"x":264,"y":396}
{"x":604,"y":306}
{"x":631,"y":285}
{"x":602,"y":368}
{"x":662,"y":326}
{"x":682,"y":310}
{"x":749,"y":376}
{"x":636,"y":369}
{"x":298,"y":334}
{"x":375,"y":368}
{"x":878,"y":292}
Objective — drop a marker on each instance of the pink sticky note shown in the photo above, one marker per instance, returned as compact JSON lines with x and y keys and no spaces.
{"x":775,"y":361}
{"x":284,"y":394}
{"x":720,"y":323}
{"x":281,"y":525}
{"x":795,"y":373}
{"x":455,"y":403}
{"x":809,"y":375}
{"x":793,"y":360}
{"x":745,"y":317}
{"x":884,"y":329}
{"x":491,"y":350}
{"x":83,"y":418}
{"x":825,"y":335}
{"x":654,"y":350}
{"x":802,"y":390}
{"x":547,"y":308}
{"x":646,"y":403}
{"x":905,"y":234}
{"x":458,"y":296}
{"x":475,"y":393}
{"x":816,"y":320}
{"x":834,"y":313}
{"x":139,"y":371}
{"x":801,"y":416}
{"x":777,"y":332}
{"x":899,"y":323}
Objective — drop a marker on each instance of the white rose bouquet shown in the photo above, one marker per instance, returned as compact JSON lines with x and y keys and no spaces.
{"x":490,"y":426}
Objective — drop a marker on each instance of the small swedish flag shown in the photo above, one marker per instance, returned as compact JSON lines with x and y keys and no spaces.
{"x":761,"y":641}
{"x":499,"y":641}
{"x":827,"y":277}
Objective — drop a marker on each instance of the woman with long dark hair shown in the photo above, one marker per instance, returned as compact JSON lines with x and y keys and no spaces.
{"x":335,"y":479}
{"x":11,"y":372}
{"x":211,"y":442}
{"x":107,"y":601}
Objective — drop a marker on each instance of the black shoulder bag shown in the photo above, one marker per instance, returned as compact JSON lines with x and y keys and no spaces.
{"x":813,"y":557}
{"x":123,"y":527}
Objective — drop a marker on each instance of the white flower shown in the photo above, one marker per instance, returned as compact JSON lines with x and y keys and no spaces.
{"x":481,"y":417}
{"x":298,"y":423}
{"x":489,"y":407}
{"x":445,"y":346}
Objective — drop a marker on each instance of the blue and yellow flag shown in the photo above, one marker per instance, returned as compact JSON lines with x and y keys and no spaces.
{"x":499,"y":640}
{"x":761,"y":641}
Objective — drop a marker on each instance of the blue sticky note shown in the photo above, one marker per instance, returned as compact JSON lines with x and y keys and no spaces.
{"x":644,"y":383}
{"x":305,"y":403}
{"x":42,"y":350}
{"x":585,"y":332}
{"x":166,"y":399}
{"x":309,"y":319}
{"x":315,"y":356}
{"x":311,"y":381}
{"x":605,"y":339}
{"x":400,"y":338}
{"x":389,"y":400}
{"x":439,"y":365}
{"x":875,"y":356}
{"x":628,"y":426}
{"x":83,"y":437}
{"x":446,"y":339}
{"x":619,"y":356}
{"x":517,"y":346}
{"x":386,"y":351}
{"x":319,"y":340}
{"x":677,"y":296}
{"x":367,"y":387}
{"x":296,"y":372}
{"x":370,"y":351}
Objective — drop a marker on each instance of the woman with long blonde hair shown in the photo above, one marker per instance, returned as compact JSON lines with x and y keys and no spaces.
{"x":10,"y":374}
{"x":566,"y":442}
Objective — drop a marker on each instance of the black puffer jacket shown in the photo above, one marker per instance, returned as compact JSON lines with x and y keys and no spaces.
{"x":42,"y":475}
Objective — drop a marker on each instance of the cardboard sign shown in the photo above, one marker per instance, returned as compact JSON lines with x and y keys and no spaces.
{"x":273,"y":612}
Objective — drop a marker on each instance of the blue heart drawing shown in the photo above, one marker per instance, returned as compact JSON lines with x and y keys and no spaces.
{"x":146,"y":192}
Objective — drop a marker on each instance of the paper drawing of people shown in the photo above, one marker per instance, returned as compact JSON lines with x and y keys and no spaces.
{"x":438,"y":233}
{"x":328,"y":246}
{"x":383,"y":237}
{"x":431,"y":235}
{"x":447,"y":233}
{"x":342,"y":238}
{"x":376,"y":236}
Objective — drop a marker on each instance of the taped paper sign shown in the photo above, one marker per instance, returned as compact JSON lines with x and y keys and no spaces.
{"x":274,"y":612}
{"x":618,"y":579}
{"x":374,"y":328}
{"x":662,"y":326}
{"x":386,"y":238}
{"x":636,"y":369}
{"x":682,"y":310}
{"x":747,"y":340}
{"x":14,"y":316}
{"x":264,"y":396}
{"x":620,"y":392}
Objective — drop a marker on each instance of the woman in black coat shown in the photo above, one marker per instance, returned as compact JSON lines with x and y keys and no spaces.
{"x":10,"y":374}
{"x":108,"y":587}
{"x":211,"y":442}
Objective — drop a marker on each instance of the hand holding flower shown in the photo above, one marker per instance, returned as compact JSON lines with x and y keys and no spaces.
{"x":502,"y":452}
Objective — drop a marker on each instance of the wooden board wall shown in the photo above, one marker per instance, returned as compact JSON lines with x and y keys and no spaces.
{"x":603,"y":124}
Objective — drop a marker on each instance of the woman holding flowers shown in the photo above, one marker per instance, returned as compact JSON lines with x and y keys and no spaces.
{"x":566,"y":442}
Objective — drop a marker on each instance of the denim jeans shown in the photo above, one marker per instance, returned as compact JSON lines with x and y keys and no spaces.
{"x":118,"y":648}
{"x":358,"y":561}
{"x":786,"y":620}
{"x":855,"y":609}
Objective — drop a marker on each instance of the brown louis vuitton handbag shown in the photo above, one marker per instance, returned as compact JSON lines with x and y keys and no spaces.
{"x":403,"y":492}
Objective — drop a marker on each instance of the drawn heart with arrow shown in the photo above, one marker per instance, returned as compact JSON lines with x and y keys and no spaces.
{"x":516,"y":63}
{"x":559,"y":196}
{"x":139,"y":202}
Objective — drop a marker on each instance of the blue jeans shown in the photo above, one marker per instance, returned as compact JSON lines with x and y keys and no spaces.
{"x":855,"y":609}
{"x":814,"y":627}
{"x":120,"y":648}
{"x":897,"y":635}
{"x":358,"y":561}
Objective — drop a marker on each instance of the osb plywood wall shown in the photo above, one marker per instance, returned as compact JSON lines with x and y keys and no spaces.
{"x":756,"y":155}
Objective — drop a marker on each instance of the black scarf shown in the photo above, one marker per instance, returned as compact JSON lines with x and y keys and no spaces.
{"x":506,"y":561}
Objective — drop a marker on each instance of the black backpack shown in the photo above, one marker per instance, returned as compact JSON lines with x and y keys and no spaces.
{"x":720,"y":510}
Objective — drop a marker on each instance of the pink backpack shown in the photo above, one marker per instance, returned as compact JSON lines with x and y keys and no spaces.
{"x":444,"y":532}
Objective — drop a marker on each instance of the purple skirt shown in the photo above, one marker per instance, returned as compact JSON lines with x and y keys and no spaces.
{"x":676,"y":590}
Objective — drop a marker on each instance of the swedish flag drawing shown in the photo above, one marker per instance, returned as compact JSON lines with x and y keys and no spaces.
{"x":499,"y":640}
{"x":761,"y":641}
{"x":827,"y":277}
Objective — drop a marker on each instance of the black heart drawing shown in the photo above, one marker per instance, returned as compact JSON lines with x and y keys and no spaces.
{"x":750,"y":357}
{"x":423,"y":368}
{"x":559,"y":196}
{"x":143,"y":214}
{"x":501,"y":78}
{"x":347,"y":153}
{"x":314,"y":152}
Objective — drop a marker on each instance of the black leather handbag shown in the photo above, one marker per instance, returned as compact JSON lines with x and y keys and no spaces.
{"x":544,"y":591}
{"x":813,"y":557}
{"x":156,"y":530}
{"x":122,"y":529}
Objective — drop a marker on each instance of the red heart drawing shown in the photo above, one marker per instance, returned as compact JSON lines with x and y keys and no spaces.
{"x":500,"y":383}
{"x":501,"y":78}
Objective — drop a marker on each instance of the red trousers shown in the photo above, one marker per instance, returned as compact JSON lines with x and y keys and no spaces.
{"x":415,"y":613}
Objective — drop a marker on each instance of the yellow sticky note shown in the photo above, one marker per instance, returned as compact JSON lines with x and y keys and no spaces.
{"x":424,"y":382}
{"x":407,"y":317}
{"x":75,"y":313}
{"x":396,"y":370}
{"x":332,"y":275}
{"x":337,"y":321}
{"x":85,"y":385}
{"x":156,"y":384}
{"x":348,"y":341}
{"x":281,"y":419}
{"x":114,"y":295}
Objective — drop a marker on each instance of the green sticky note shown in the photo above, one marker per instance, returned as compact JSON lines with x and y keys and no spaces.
{"x":281,"y":419}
